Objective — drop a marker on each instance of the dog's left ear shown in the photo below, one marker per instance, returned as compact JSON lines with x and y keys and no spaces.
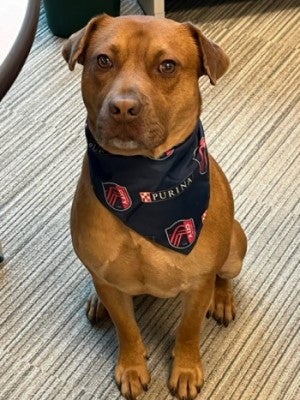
{"x":214,"y":62}
{"x":74,"y":48}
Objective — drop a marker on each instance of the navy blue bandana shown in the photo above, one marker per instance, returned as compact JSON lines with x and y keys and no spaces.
{"x":163,"y":199}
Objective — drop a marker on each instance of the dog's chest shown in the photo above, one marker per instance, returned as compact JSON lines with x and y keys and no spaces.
{"x":134,"y":265}
{"x":142,"y":270}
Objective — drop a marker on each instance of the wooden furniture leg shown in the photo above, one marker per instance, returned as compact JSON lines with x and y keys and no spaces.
{"x":153,"y":7}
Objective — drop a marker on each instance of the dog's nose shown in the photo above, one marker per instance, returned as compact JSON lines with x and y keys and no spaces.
{"x":125,"y":108}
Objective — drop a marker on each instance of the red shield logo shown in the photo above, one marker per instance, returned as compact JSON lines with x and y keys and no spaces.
{"x":116,"y":196}
{"x":182,"y":233}
{"x":201,"y":157}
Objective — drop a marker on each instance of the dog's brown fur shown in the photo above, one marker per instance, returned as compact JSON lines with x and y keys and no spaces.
{"x":123,"y":263}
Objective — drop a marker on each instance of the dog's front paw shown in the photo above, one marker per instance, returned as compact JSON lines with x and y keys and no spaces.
{"x":132,"y":378}
{"x":95,"y":310}
{"x":186,"y":381}
{"x":222,"y":307}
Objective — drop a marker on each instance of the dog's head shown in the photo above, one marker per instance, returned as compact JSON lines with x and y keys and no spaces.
{"x":140,"y":80}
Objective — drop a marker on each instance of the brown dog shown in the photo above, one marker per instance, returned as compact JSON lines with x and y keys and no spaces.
{"x":140,"y":88}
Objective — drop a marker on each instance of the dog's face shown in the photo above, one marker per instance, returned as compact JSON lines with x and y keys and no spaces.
{"x":140,"y":80}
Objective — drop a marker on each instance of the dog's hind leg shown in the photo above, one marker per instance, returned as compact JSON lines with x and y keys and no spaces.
{"x":131,"y":373}
{"x":95,"y":310}
{"x":222,"y":306}
{"x":238,"y":248}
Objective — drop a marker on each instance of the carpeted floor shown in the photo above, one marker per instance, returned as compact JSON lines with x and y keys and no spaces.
{"x":48,"y":348}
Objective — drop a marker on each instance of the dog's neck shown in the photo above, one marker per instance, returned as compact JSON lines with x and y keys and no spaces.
{"x":163,"y":199}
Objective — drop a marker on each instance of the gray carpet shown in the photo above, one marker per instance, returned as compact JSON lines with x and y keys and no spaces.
{"x":48,"y":349}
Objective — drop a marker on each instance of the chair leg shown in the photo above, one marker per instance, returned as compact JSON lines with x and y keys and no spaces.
{"x":153,"y":7}
{"x":1,"y":254}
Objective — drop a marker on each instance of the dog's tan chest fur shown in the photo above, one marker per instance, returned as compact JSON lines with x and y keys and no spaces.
{"x":135,"y":268}
{"x":160,"y":279}
{"x":133,"y":264}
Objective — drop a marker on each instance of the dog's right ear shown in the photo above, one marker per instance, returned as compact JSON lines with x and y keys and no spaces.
{"x":214,"y":62}
{"x":74,"y":48}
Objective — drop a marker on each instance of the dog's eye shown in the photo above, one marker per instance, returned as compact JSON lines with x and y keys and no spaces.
{"x":167,"y":67}
{"x":104,"y":61}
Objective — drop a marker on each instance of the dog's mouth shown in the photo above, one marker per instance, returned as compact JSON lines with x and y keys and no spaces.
{"x":130,"y":139}
{"x":119,"y":140}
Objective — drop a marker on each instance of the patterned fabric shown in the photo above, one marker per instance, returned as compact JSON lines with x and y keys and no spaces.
{"x":163,"y":199}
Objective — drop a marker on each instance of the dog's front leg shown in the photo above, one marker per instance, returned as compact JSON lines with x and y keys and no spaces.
{"x":186,"y":377}
{"x":131,"y":374}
